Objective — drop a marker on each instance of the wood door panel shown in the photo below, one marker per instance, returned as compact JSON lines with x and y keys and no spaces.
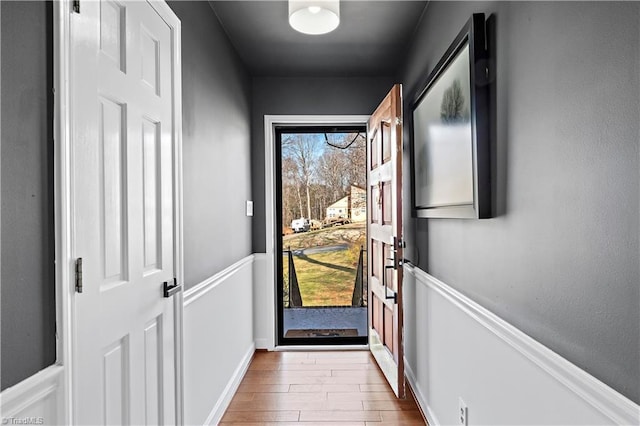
{"x":373,"y":213}
{"x":388,"y":282}
{"x":378,"y":232}
{"x":385,"y":141}
{"x":374,"y":150}
{"x":387,"y":204}
{"x":378,"y":310}
{"x":376,"y":200}
{"x":388,"y":329}
{"x":376,"y":259}
{"x":384,"y":232}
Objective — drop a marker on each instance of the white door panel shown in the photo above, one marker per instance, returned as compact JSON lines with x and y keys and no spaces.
{"x":123,"y":114}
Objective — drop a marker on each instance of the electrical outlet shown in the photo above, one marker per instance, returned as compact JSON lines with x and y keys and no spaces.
{"x":462,"y":412}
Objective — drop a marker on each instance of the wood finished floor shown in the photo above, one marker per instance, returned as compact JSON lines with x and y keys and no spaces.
{"x":341,"y":388}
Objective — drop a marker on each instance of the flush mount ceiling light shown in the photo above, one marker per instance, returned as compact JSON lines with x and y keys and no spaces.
{"x":314,"y":16}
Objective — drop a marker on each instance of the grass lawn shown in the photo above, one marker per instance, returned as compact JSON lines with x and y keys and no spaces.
{"x":346,"y":234}
{"x":326,"y":279}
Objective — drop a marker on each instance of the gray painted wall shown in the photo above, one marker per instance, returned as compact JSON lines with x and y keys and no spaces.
{"x":216,"y":142}
{"x":561,"y":259}
{"x":216,"y":114}
{"x":28,"y":286}
{"x":303,"y":96}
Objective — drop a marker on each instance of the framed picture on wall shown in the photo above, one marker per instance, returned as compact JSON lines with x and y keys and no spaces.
{"x":450,"y":150}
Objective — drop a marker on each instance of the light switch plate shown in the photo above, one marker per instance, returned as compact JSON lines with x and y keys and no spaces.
{"x":249,"y":208}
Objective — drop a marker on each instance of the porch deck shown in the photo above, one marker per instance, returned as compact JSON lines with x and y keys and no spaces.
{"x":326,"y":318}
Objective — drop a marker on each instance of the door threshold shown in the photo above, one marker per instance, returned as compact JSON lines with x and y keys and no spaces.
{"x":319,"y":348}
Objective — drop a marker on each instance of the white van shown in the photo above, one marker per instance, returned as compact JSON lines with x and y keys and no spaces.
{"x":300,"y":225}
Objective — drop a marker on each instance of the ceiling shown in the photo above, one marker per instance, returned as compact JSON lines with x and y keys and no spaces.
{"x":371,"y":39}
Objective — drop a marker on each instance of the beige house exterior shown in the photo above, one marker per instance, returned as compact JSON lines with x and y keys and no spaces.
{"x":352,"y":206}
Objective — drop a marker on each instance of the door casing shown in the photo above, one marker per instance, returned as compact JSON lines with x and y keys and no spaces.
{"x":266,"y":289}
{"x":306,"y":341}
{"x":63,"y":205}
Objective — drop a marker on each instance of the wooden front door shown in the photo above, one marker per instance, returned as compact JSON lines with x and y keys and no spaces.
{"x":125,"y":111}
{"x":384,"y":182}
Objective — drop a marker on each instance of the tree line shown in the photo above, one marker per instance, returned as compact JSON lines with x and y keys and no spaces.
{"x":317,"y":170}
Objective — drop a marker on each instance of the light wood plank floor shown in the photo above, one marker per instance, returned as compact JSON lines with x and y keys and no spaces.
{"x":340,"y":388}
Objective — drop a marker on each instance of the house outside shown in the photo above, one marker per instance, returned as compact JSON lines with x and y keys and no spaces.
{"x":352,"y":206}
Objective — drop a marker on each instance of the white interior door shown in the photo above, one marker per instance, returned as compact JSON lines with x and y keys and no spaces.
{"x":123,"y":121}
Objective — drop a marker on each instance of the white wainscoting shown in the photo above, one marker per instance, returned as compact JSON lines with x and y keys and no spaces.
{"x":218,"y":341}
{"x":264,"y":301}
{"x":454,"y":348}
{"x":38,"y":399}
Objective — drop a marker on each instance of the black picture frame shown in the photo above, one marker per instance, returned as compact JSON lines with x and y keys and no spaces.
{"x":450,"y":147}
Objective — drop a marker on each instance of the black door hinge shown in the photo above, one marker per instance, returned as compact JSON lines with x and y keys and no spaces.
{"x":79,"y":275}
{"x":76,"y":6}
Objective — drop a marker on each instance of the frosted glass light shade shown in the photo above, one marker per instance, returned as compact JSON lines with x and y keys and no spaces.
{"x":314,"y":16}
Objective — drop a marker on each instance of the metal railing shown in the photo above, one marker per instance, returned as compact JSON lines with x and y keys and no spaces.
{"x":359,"y":297}
{"x":291,"y":290}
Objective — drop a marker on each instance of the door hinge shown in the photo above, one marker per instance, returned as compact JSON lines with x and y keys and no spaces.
{"x":75,"y":6}
{"x":398,"y":121}
{"x":79,"y":275}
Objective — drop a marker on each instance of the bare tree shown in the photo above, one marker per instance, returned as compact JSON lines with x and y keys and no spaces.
{"x":345,"y":163}
{"x":290,"y":191}
{"x":316,"y":174}
{"x":302,"y":150}
{"x":356,"y":155}
{"x":332,"y":171}
{"x":451,"y":108}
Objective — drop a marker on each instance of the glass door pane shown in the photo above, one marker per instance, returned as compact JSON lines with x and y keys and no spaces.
{"x":322,"y":206}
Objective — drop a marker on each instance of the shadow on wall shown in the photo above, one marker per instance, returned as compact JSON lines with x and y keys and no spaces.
{"x":498,"y":137}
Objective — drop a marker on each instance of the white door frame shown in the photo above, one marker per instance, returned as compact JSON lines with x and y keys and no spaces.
{"x":63,"y":203}
{"x":270,"y":123}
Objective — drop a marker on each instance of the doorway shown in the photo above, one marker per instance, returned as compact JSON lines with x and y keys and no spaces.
{"x":321,"y":209}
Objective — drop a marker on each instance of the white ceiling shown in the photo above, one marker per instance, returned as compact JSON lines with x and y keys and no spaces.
{"x":371,"y":40}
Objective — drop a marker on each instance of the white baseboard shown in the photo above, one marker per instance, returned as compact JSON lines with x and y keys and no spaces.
{"x":38,"y":399}
{"x":262,"y":344}
{"x":508,"y":377}
{"x":420,"y":398}
{"x":227,"y":395}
